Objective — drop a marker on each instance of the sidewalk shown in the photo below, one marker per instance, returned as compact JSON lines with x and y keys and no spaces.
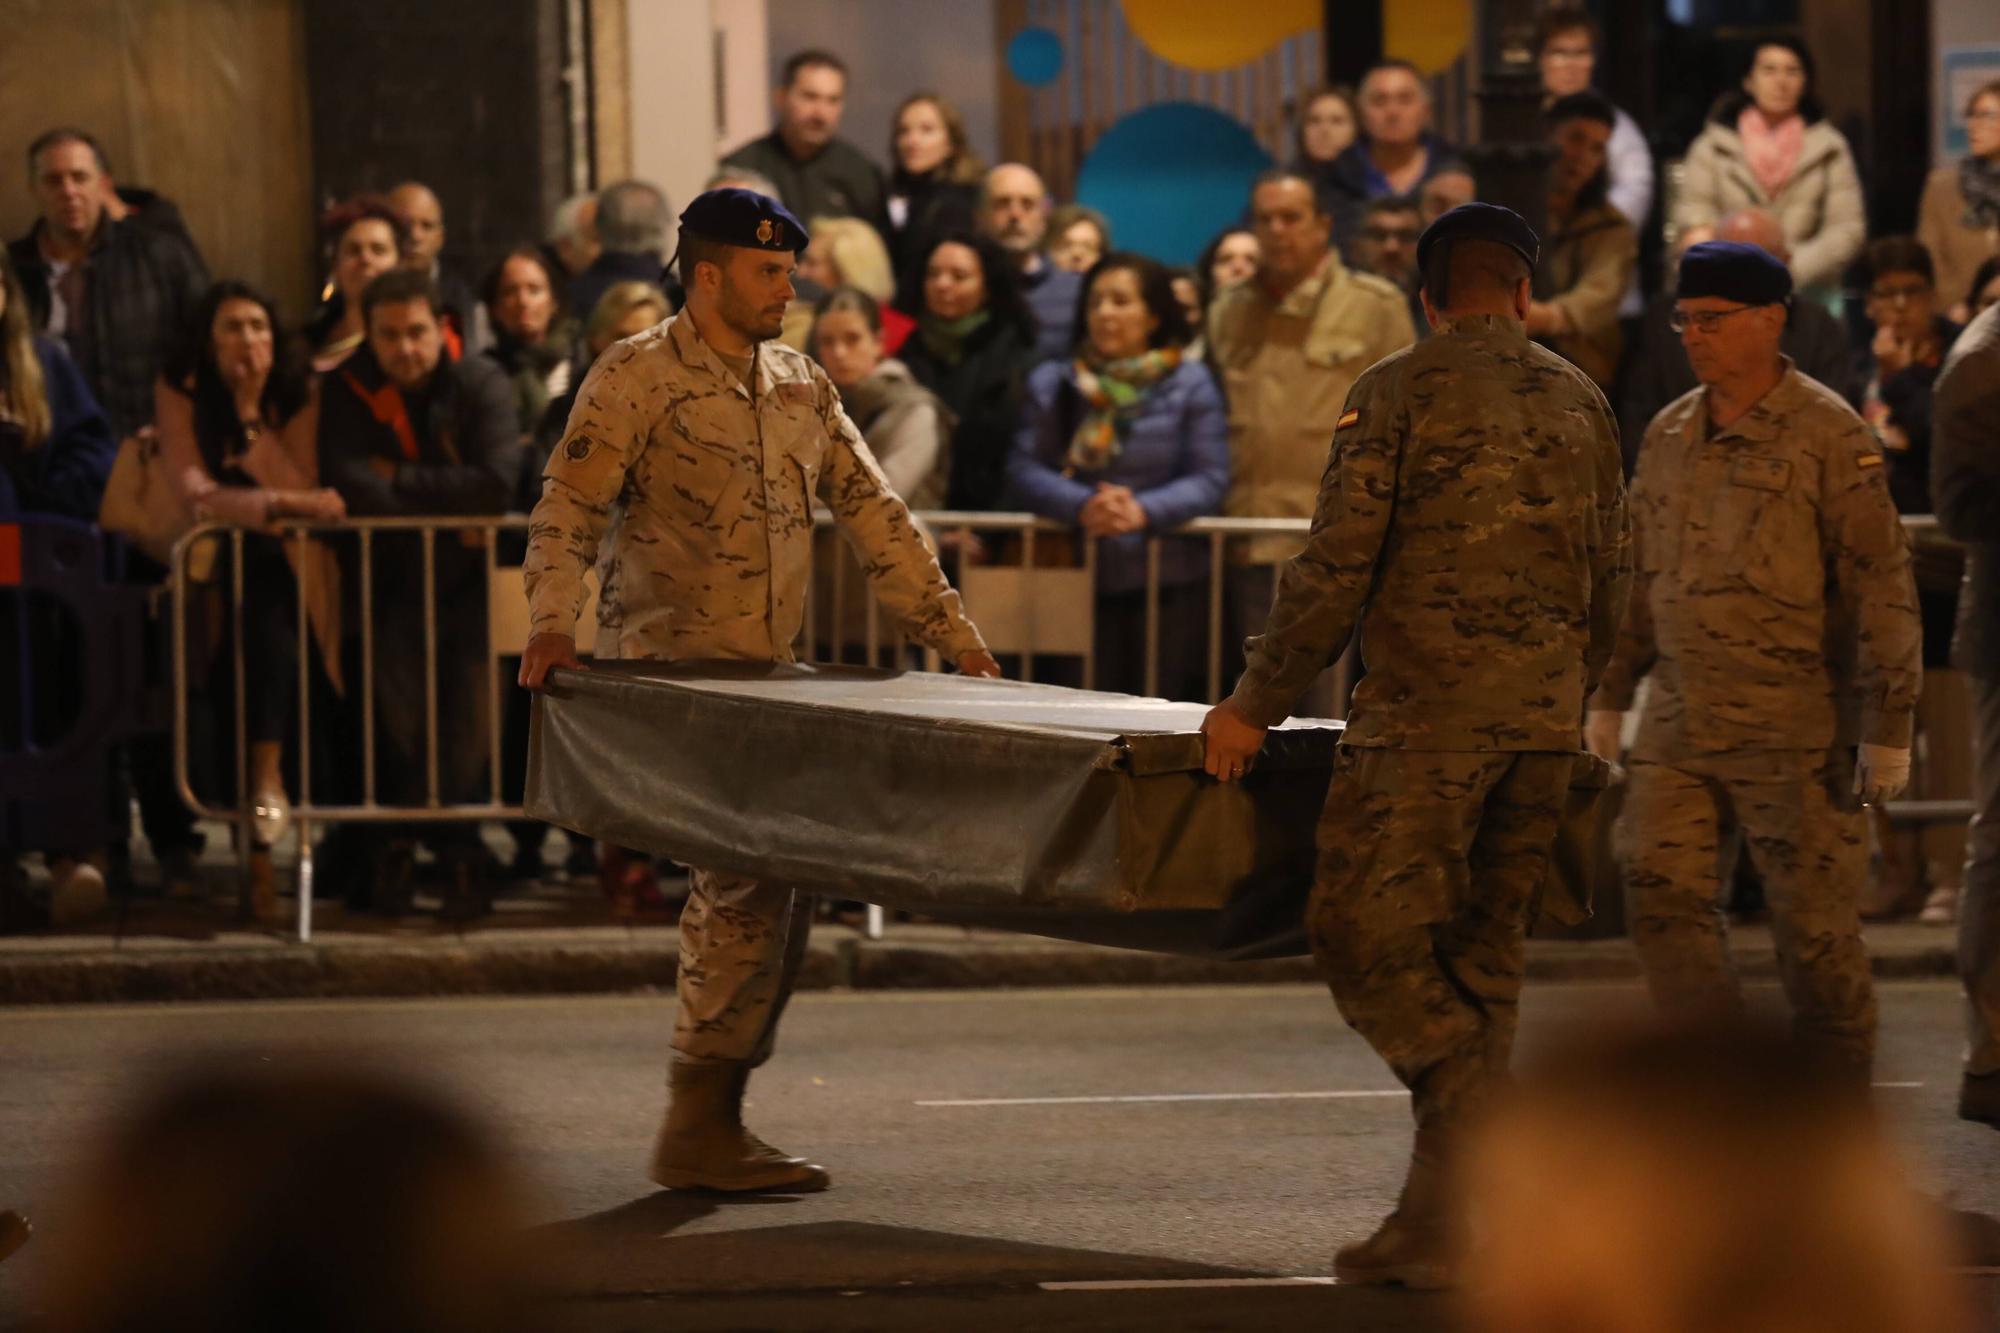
{"x":564,"y":941}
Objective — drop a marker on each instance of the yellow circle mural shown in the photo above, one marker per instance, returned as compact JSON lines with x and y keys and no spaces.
{"x":1430,"y":34}
{"x":1201,"y":34}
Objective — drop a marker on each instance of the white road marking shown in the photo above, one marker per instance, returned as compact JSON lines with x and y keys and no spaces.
{"x":1169,"y":1284}
{"x":1172,"y":1097}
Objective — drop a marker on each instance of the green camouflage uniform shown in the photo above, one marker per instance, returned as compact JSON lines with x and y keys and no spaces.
{"x":701,"y":501}
{"x":1775,"y":616}
{"x":1472,"y":519}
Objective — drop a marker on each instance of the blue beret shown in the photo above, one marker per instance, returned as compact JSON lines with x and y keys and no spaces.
{"x":743,"y":217}
{"x":1735,"y":272}
{"x":1480,"y":222}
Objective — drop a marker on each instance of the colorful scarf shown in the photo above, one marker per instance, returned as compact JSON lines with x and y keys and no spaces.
{"x":1979,"y":182}
{"x":1771,"y":149}
{"x":1111,"y":393}
{"x":945,"y":338}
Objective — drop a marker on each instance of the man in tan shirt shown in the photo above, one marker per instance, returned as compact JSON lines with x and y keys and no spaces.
{"x":1287,"y":346}
{"x":693,"y":459}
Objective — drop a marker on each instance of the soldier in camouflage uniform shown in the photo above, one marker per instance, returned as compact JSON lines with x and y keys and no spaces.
{"x":1775,"y":616}
{"x":1472,"y":519}
{"x":692,"y":461}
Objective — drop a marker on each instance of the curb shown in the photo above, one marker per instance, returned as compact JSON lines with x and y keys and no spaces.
{"x":493,"y":966}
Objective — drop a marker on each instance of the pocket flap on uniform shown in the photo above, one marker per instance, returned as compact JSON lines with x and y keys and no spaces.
{"x":1759,"y":473}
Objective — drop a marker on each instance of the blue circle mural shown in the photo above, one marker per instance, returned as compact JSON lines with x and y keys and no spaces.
{"x":1169,"y":177}
{"x":1035,"y":56}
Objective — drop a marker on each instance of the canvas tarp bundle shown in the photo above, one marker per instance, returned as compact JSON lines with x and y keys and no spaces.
{"x":1038,"y":808}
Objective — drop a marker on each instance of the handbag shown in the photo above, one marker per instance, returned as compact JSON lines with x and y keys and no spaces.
{"x":140,"y":502}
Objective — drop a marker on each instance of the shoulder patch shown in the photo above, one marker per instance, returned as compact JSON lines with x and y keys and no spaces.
{"x":578,"y":448}
{"x":1347,"y":419}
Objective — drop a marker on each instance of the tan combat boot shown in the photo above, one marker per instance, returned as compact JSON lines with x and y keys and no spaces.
{"x":1418,"y":1245}
{"x":703,"y":1145}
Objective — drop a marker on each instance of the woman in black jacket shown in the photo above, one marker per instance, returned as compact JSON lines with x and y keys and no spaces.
{"x":934,"y":188}
{"x":974,"y":344}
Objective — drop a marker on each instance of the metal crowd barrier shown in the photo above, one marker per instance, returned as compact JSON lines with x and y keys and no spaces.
{"x":1034,"y":634}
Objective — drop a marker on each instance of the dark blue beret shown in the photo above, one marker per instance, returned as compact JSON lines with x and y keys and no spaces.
{"x":1735,"y":272}
{"x":1480,"y":222}
{"x":743,"y":217}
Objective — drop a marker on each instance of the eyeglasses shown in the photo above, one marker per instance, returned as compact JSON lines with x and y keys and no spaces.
{"x":1902,"y":295}
{"x":1406,"y":235}
{"x":1708,"y":321}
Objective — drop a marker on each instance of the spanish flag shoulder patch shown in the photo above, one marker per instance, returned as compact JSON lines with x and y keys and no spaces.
{"x":1348,"y":419}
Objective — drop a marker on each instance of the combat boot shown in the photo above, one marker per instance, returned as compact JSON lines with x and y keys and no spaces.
{"x":703,"y":1145}
{"x":1418,"y":1245}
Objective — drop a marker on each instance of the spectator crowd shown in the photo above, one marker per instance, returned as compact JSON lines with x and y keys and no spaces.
{"x":997,"y":349}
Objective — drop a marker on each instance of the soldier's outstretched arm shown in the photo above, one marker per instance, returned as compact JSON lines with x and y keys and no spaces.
{"x":1868,"y":552}
{"x":877,"y":526}
{"x":1321,"y":590}
{"x":607,"y":430}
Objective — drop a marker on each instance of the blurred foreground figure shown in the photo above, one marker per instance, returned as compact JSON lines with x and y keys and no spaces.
{"x":309,"y":1200}
{"x":1682,"y":1181}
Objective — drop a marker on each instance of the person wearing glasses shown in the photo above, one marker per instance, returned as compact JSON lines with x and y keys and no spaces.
{"x":1959,"y":218}
{"x":1898,"y":370}
{"x":1774,"y":613}
{"x":1657,"y":370}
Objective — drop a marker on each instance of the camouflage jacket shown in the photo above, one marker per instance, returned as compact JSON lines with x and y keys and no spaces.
{"x":1472,"y":518}
{"x":702,"y":502}
{"x":1774,"y":607}
{"x":1286,"y":367}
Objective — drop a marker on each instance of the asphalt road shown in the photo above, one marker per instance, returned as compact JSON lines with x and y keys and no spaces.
{"x":982,"y":1164}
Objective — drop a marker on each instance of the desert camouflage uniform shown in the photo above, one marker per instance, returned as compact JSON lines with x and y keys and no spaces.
{"x":1775,"y":615}
{"x":1472,"y":519}
{"x":700,"y":500}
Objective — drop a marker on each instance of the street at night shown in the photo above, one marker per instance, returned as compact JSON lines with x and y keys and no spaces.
{"x":1134,"y":1158}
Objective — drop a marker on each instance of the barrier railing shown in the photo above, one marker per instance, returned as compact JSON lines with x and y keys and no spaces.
{"x":1030,"y":632}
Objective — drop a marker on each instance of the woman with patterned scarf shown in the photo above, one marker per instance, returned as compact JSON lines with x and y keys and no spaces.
{"x":1959,"y":219}
{"x":1129,"y":440}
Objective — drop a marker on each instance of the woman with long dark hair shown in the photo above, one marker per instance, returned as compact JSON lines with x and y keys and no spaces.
{"x":1588,"y":258}
{"x":1127,"y":440}
{"x":237,"y":419}
{"x":974,"y":343}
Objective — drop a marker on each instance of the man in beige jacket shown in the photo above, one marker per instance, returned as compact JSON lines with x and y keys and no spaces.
{"x":1287,"y":346}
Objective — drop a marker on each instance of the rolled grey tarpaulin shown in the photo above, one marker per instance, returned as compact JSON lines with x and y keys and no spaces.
{"x":1029,"y":807}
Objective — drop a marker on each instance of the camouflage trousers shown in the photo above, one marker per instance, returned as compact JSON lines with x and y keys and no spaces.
{"x":742,"y":942}
{"x":1807,"y":838}
{"x":1429,"y":866}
